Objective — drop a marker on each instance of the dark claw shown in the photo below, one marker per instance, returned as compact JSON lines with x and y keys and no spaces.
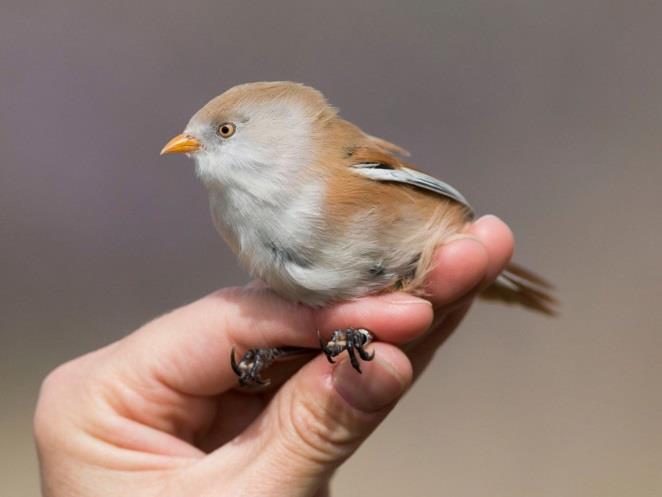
{"x":364,"y":354}
{"x":251,"y":365}
{"x":352,"y":340}
{"x":353,"y":359}
{"x":249,"y":368}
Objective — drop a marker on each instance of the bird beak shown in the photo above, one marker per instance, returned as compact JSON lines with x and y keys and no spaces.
{"x":181,"y":144}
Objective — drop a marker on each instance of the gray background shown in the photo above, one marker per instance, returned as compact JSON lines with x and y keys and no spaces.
{"x":546,"y":113}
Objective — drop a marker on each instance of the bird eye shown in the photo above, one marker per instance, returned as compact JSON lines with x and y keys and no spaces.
{"x":226,"y":130}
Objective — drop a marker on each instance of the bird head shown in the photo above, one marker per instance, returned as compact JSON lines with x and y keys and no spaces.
{"x":255,"y":130}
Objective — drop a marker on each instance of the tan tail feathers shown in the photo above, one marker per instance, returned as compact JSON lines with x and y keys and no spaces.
{"x":517,"y":285}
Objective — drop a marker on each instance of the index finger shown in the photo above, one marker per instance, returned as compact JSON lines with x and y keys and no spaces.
{"x":189,"y":349}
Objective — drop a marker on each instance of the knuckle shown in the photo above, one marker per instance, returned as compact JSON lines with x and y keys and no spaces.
{"x":66,"y":393}
{"x":59,"y":378}
{"x":51,"y":392}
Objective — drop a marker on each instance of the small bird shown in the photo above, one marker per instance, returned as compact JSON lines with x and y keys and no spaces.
{"x":323,"y":212}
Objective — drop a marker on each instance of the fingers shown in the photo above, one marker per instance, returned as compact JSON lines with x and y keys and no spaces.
{"x":467,"y":270}
{"x":458,"y":267}
{"x":468,"y":261}
{"x":189,"y":349}
{"x":395,"y":317}
{"x":497,"y":238}
{"x":164,"y":379}
{"x":317,"y":420}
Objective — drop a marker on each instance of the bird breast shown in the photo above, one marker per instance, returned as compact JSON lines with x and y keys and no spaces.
{"x":286,"y":242}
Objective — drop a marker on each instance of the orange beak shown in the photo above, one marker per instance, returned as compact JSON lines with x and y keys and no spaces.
{"x":181,"y":144}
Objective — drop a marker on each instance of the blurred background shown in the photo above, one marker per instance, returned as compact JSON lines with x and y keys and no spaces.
{"x":546,"y":113}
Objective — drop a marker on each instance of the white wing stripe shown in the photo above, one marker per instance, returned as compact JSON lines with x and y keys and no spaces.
{"x":411,"y":177}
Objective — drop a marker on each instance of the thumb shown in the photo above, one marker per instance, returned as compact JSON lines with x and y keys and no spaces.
{"x":322,"y":415}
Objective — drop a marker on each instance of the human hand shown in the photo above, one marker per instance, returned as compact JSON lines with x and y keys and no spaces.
{"x":157,"y":413}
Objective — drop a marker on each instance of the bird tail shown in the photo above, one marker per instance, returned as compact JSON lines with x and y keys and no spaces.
{"x":517,"y":285}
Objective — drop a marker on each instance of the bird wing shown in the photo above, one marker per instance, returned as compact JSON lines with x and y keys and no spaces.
{"x":380,"y":171}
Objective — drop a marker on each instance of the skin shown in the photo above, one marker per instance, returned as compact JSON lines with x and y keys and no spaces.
{"x":157,"y":413}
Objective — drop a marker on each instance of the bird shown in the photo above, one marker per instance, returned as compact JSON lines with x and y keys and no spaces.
{"x":323,"y":212}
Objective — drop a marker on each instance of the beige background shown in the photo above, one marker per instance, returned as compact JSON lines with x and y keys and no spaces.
{"x":547,"y":113}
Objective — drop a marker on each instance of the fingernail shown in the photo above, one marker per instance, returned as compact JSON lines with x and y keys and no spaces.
{"x":378,"y":386}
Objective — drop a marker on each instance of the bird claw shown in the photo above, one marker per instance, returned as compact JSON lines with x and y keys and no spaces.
{"x":254,"y":361}
{"x":353,"y":340}
{"x":251,"y":365}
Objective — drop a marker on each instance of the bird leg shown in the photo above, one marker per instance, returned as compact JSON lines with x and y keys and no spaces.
{"x":254,"y":361}
{"x":353,"y":340}
{"x":249,"y":368}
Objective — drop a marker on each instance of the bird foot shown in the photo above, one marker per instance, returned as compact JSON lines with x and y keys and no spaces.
{"x":353,"y":340}
{"x":254,"y":361}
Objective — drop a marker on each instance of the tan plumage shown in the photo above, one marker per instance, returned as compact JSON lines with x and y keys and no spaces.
{"x":438,"y":217}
